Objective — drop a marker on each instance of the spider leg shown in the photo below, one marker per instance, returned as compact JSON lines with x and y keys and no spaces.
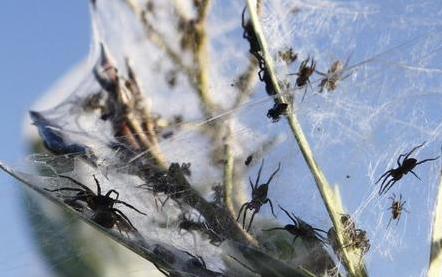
{"x":251,"y":220}
{"x":388,"y":225}
{"x":62,"y":189}
{"x":164,"y":202}
{"x":346,"y":76}
{"x":384,"y":185}
{"x":259,"y":174}
{"x":114,"y":191}
{"x":383,"y":175}
{"x":244,"y":219}
{"x":242,"y":19}
{"x":295,"y":221}
{"x":388,"y":186}
{"x":427,"y":160}
{"x":271,"y":206}
{"x":414,"y":149}
{"x":128,"y":205}
{"x":415,"y":174}
{"x":320,"y":230}
{"x":320,"y":73}
{"x":122,"y":215}
{"x":398,"y":161}
{"x":98,"y":186}
{"x":240,"y":210}
{"x":77,"y":183}
{"x":303,"y":96}
{"x":251,"y":184}
{"x":273,"y":229}
{"x":273,"y":174}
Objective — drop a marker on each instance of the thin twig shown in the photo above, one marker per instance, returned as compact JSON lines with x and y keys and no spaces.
{"x":228,"y":174}
{"x":330,"y":200}
{"x":201,"y":58}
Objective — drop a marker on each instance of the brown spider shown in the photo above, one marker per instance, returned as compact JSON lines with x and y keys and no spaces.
{"x":259,"y":197}
{"x":300,"y":228}
{"x":288,"y":56}
{"x":304,"y":73}
{"x":403,"y":168}
{"x":397,"y":206}
{"x":104,"y":213}
{"x":277,"y":110}
{"x":359,"y":240}
{"x":335,"y":74}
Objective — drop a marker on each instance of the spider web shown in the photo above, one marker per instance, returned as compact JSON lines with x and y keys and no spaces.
{"x":390,"y":104}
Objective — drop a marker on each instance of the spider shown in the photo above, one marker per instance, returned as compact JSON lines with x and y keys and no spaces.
{"x":300,"y":228}
{"x":288,"y":56}
{"x":259,"y":197}
{"x":403,"y":168}
{"x":190,"y":225}
{"x":264,"y":76}
{"x":359,"y":240}
{"x":304,"y":73}
{"x":250,"y":35}
{"x":104,"y":213}
{"x":277,"y":110}
{"x":397,"y":206}
{"x":335,"y":74}
{"x":162,"y":182}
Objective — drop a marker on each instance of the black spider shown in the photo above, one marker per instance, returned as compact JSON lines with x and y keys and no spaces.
{"x":259,"y":197}
{"x":163,"y":183}
{"x":104,"y":213}
{"x":302,"y":229}
{"x":277,"y":110}
{"x":403,"y":168}
{"x":264,"y":76}
{"x":250,"y":35}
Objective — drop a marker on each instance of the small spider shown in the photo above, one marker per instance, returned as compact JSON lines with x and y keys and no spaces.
{"x":248,"y":160}
{"x":304,"y":73}
{"x":288,"y":56}
{"x":104,"y":213}
{"x":161,"y":182}
{"x":300,"y":228}
{"x":348,"y":224}
{"x":189,"y":225}
{"x":277,"y":110}
{"x":403,"y":168}
{"x":359,"y":240}
{"x":335,"y":74}
{"x":259,"y":197}
{"x":397,"y":206}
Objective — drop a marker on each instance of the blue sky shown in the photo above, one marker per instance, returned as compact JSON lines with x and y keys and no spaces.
{"x":40,"y":41}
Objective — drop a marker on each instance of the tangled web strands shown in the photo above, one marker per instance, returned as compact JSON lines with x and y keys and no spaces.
{"x":167,"y":114}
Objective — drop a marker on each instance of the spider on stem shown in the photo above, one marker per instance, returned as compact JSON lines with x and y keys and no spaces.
{"x":359,"y":240}
{"x":259,"y":197}
{"x":397,"y":206}
{"x":300,"y":228}
{"x":104,"y":213}
{"x":407,"y":165}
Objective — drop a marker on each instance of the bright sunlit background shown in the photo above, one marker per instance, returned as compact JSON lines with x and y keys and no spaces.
{"x":40,"y":41}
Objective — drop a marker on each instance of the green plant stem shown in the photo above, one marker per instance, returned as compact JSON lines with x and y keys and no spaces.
{"x":435,"y":266}
{"x":334,"y":208}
